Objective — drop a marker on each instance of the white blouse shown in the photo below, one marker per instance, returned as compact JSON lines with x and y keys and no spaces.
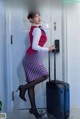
{"x":36,"y":37}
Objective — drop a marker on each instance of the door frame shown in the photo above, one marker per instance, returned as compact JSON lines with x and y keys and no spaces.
{"x":9,"y":53}
{"x":65,"y":43}
{"x":9,"y":60}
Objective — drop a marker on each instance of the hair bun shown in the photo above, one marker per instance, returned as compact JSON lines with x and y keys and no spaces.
{"x":32,"y":14}
{"x":27,"y":17}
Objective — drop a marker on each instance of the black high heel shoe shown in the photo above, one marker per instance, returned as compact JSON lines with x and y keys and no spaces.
{"x":35,"y":113}
{"x":22,"y":92}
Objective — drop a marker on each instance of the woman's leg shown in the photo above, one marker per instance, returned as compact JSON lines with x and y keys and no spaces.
{"x":37,"y":81}
{"x":31,"y":95}
{"x":33,"y":110}
{"x":23,"y":88}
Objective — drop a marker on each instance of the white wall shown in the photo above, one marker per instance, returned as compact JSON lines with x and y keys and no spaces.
{"x":72,"y":38}
{"x":56,"y":16}
{"x":2,"y":54}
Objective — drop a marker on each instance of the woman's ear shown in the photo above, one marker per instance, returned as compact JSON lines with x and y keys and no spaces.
{"x":30,"y":19}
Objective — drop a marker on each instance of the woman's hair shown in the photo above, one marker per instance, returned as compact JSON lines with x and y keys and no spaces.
{"x":32,"y":13}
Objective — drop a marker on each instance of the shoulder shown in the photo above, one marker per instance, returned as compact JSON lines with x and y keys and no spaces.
{"x":36,"y":30}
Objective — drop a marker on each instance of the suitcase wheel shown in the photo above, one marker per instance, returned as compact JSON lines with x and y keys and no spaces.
{"x":48,"y":115}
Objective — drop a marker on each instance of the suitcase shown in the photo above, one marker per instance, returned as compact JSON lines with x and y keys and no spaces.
{"x":57,"y":95}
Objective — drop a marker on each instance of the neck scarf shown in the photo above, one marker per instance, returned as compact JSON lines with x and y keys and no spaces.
{"x":42,"y":29}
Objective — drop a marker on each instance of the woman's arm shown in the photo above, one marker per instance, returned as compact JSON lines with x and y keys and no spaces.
{"x":36,"y":37}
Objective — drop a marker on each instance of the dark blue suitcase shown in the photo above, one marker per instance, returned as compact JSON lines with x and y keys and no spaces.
{"x":58,"y":96}
{"x":66,"y":98}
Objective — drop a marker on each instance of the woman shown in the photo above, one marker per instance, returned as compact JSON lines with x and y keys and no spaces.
{"x":34,"y":69}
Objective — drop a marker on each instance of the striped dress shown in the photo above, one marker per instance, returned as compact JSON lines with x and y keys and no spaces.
{"x":32,"y":61}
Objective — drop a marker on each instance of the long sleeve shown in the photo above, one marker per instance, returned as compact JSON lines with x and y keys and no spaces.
{"x":36,"y":37}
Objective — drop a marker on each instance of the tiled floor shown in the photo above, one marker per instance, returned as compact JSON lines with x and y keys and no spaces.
{"x":24,"y":114}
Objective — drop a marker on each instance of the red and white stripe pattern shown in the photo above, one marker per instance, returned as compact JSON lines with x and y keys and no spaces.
{"x":33,"y":66}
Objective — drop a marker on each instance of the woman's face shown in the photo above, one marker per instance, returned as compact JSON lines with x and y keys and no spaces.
{"x":36,"y":19}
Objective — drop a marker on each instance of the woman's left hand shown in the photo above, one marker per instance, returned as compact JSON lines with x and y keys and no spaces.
{"x":52,"y":47}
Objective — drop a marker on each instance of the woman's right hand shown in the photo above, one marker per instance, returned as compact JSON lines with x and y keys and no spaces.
{"x":52,"y":47}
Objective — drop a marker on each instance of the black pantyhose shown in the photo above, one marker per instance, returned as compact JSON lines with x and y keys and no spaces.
{"x":37,"y":81}
{"x":31,"y":93}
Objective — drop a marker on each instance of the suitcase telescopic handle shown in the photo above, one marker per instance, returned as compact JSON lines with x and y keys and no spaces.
{"x":49,"y":65}
{"x":57,"y":42}
{"x":54,"y":65}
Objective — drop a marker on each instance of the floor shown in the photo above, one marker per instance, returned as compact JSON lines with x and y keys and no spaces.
{"x":24,"y":114}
